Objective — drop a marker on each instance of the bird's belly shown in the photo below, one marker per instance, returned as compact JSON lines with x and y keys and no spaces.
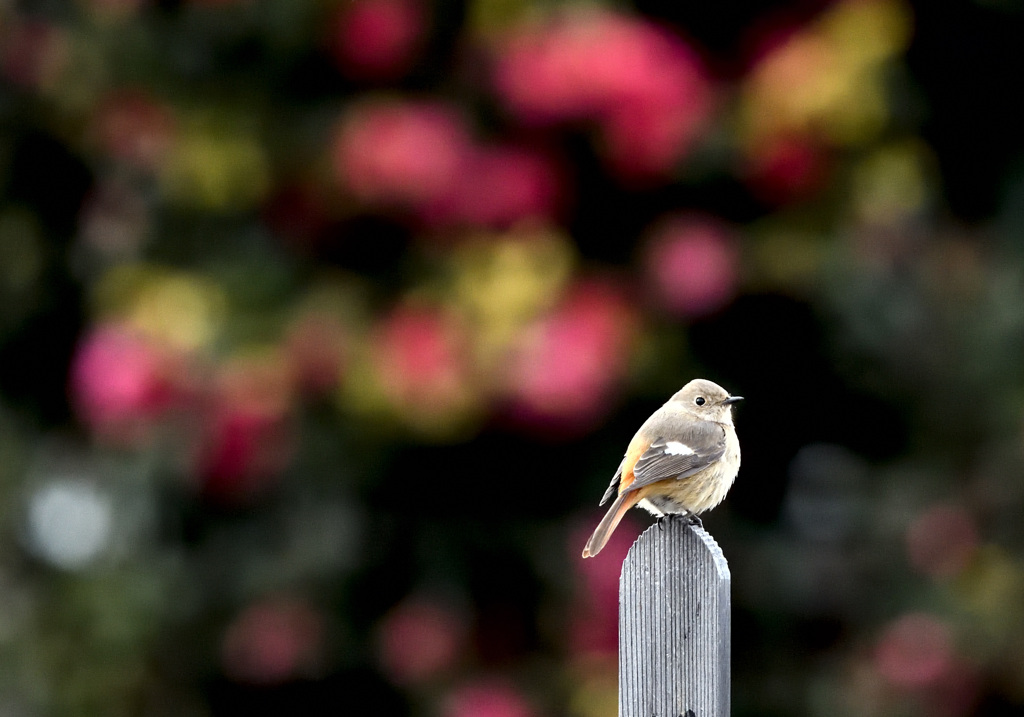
{"x":694,"y":495}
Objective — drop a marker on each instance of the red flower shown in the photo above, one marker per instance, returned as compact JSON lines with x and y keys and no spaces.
{"x":785,"y":169}
{"x":248,"y":436}
{"x":377,"y":39}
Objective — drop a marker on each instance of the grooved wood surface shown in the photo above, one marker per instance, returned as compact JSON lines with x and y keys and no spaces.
{"x":674,"y":624}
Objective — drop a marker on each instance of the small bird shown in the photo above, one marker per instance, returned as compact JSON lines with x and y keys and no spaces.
{"x":683,"y":460}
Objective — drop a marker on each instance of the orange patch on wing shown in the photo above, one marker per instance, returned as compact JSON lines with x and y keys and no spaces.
{"x":636,"y":448}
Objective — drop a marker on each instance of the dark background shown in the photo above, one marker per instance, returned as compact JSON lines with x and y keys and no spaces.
{"x":272,"y":543}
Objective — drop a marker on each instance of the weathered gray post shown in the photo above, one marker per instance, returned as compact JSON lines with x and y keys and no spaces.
{"x":674,"y":624}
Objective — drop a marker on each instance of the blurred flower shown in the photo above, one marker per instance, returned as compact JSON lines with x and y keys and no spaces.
{"x":273,"y":641}
{"x":584,"y":65}
{"x":991,"y":589}
{"x":486,"y":698}
{"x":317,"y":346}
{"x":180,"y":309}
{"x":957,"y":694}
{"x":500,"y":186}
{"x":503,"y":282}
{"x":34,"y":54}
{"x":786,"y":168}
{"x":377,"y":39}
{"x":121,"y":382}
{"x":691,"y":265}
{"x":595,"y":686}
{"x":248,"y":438}
{"x":565,"y":369}
{"x":643,"y":85}
{"x":594,"y":611}
{"x":402,"y":153}
{"x":915,"y":651}
{"x":892,"y":184}
{"x":419,"y":640}
{"x":783,"y":259}
{"x":647,"y":136}
{"x":114,"y":223}
{"x":420,"y":364}
{"x":69,"y":522}
{"x":217,"y":165}
{"x":827,"y":79}
{"x":942,"y":540}
{"x":131,"y":126}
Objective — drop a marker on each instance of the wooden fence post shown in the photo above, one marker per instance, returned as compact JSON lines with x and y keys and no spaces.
{"x":674,"y":624}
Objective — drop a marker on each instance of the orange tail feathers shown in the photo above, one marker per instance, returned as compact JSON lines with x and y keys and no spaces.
{"x":608,"y":523}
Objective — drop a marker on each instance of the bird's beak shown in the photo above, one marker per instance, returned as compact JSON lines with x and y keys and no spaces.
{"x":731,"y":400}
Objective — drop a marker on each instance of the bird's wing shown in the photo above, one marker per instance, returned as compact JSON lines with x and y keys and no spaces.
{"x":701,"y":444}
{"x":613,"y":487}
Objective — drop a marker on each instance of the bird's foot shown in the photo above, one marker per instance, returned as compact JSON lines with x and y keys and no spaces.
{"x":694,"y":520}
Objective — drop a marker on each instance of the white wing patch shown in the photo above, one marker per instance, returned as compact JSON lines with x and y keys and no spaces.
{"x":675,"y":448}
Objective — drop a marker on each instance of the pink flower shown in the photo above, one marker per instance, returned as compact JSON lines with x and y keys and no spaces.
{"x":121,"y":383}
{"x":273,"y":641}
{"x":643,"y":85}
{"x":663,"y":105}
{"x":420,"y":355}
{"x":500,"y":186}
{"x":377,"y":39}
{"x":567,"y":368}
{"x":942,"y":541}
{"x":486,"y":699}
{"x":915,"y":651}
{"x":691,"y":266}
{"x":419,"y":640}
{"x":408,"y":154}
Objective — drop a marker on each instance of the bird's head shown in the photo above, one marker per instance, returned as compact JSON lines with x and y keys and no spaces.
{"x":706,"y":400}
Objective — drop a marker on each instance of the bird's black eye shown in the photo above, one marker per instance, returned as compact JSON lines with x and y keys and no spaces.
{"x":699,"y":400}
